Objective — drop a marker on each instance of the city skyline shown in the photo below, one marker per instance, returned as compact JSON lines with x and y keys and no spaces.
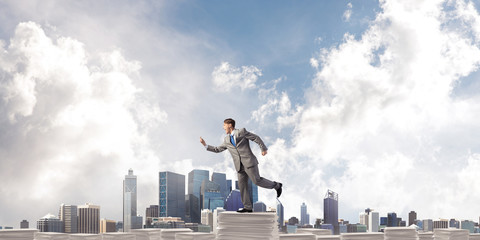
{"x":375,"y":100}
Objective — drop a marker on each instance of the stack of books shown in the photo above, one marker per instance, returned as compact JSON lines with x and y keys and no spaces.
{"x":169,"y":234}
{"x":298,"y":236}
{"x":118,"y":236}
{"x":147,"y":234}
{"x":18,"y":234}
{"x":361,"y":236}
{"x":451,"y":234}
{"x":85,"y":237}
{"x":50,"y":236}
{"x":252,"y":226}
{"x":425,"y":236}
{"x":315,"y":231}
{"x":474,"y":236}
{"x":400,"y":233}
{"x":195,"y":236}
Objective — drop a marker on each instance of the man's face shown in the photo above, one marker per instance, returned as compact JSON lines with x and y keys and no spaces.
{"x":228,"y":128}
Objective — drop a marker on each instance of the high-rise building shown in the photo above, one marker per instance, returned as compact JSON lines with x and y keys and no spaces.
{"x":68,"y":215}
{"x":221,"y":180}
{"x":210,"y":195}
{"x":172,"y":195}
{"x":428,"y":225}
{"x":280,"y":214}
{"x":412,"y":216}
{"x":129,"y":200}
{"x":373,"y":222}
{"x":303,"y":215}
{"x":195,"y":180}
{"x":441,"y":223}
{"x":107,"y":226}
{"x":259,"y":207}
{"x":24,"y":224}
{"x":234,"y":201}
{"x":468,"y":225}
{"x":363,"y":219}
{"x":150,"y":213}
{"x":50,"y":223}
{"x":392,"y":220}
{"x":330,"y":210}
{"x":88,"y":219}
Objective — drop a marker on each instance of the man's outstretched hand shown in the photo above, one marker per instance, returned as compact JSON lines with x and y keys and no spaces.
{"x":264,"y":153}
{"x":202,"y":141}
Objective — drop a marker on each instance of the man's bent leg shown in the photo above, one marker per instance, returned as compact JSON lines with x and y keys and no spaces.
{"x":254,"y":174}
{"x":243,"y":187}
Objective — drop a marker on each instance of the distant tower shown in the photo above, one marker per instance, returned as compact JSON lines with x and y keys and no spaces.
{"x":330,"y":210}
{"x":50,"y":223}
{"x":210,"y":195}
{"x":392,"y":220}
{"x":373,"y":221}
{"x":412,"y":216}
{"x":303,"y":215}
{"x":280,"y":215}
{"x":68,"y":215}
{"x":129,"y":200}
{"x":150,"y":213}
{"x":89,"y":219}
{"x":195,"y":180}
{"x":172,"y":195}
{"x":24,"y":224}
{"x":221,"y":180}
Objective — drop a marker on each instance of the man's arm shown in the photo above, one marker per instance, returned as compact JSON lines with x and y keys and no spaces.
{"x":257,"y":140}
{"x":218,"y":149}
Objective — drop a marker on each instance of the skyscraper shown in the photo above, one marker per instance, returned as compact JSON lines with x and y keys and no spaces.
{"x":373,"y":221}
{"x":210,"y":196}
{"x":129,"y":200}
{"x":221,"y":180}
{"x":68,"y":215}
{"x":172,"y":195}
{"x":195,"y":180}
{"x":392,"y":220}
{"x":252,"y":189}
{"x":412,"y":216}
{"x":107,"y":225}
{"x":50,"y":223}
{"x":89,"y":219}
{"x":280,"y":215}
{"x":229,"y":186}
{"x":303,"y":215}
{"x":24,"y":224}
{"x":234,"y":201}
{"x":330,"y":210}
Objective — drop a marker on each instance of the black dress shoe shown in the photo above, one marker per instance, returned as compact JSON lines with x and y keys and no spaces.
{"x":279,"y":190}
{"x":243,"y":210}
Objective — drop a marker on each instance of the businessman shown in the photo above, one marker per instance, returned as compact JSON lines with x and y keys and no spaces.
{"x":246,"y":164}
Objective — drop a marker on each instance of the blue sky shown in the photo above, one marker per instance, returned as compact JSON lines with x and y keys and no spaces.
{"x":377,"y":101}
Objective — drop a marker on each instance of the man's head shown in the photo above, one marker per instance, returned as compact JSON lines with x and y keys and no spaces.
{"x":228,"y":125}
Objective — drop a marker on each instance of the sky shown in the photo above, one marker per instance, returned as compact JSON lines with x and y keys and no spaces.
{"x":375,"y":100}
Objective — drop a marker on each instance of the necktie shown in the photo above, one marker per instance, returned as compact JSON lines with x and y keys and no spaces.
{"x":232,"y":140}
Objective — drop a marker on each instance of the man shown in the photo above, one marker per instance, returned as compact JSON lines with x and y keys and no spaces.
{"x":245,"y":162}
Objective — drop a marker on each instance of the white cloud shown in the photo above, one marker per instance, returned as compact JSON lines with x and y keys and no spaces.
{"x":227,"y":77}
{"x":69,"y":118}
{"x":348,"y":13}
{"x":380,"y":125}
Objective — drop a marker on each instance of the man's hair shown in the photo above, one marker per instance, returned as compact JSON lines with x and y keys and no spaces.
{"x":230,"y":121}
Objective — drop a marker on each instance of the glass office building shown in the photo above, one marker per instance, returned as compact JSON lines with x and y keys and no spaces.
{"x":195,"y":180}
{"x":280,"y":214}
{"x":259,"y":207}
{"x":221,"y":180}
{"x":330,"y":210}
{"x":129,"y":200}
{"x":392,"y":220}
{"x":210,"y":195}
{"x":234,"y":201}
{"x":171,"y":195}
{"x":68,"y":215}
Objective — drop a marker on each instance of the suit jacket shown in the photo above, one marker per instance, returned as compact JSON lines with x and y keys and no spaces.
{"x":242,"y":152}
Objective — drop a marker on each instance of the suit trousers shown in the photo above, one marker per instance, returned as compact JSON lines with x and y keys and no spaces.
{"x":254,"y":175}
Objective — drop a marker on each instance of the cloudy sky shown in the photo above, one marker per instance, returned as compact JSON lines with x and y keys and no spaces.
{"x":376,"y":100}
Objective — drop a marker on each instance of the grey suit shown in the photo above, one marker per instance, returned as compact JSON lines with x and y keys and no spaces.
{"x":245,"y":162}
